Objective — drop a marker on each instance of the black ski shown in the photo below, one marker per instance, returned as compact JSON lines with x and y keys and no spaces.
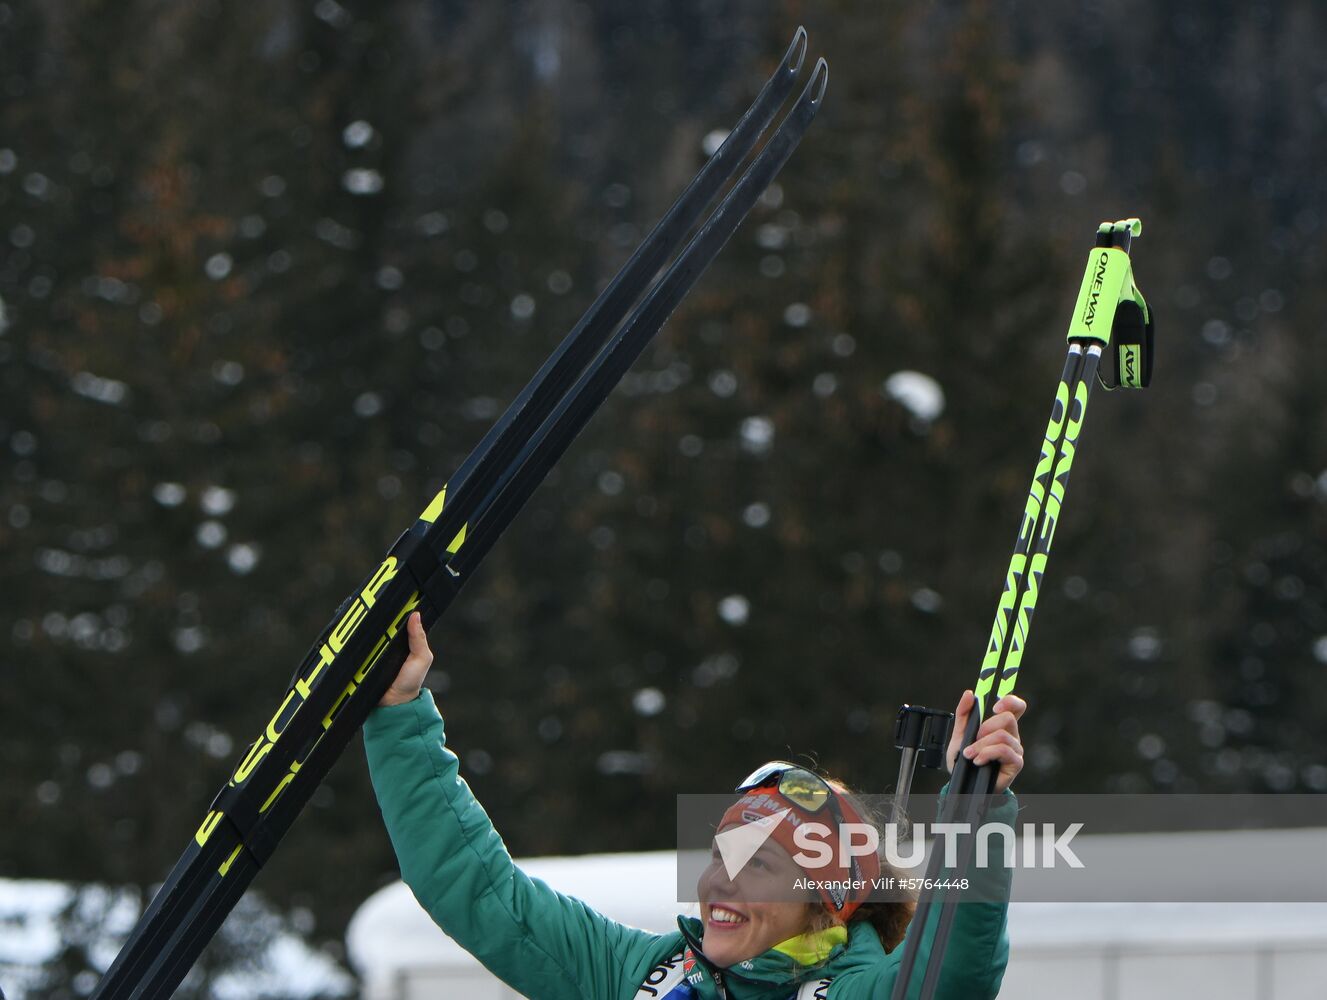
{"x":359,"y":652}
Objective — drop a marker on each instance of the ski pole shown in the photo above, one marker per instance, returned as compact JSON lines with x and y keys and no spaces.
{"x":1109,"y":306}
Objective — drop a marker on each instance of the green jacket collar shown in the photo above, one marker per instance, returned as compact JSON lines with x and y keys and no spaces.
{"x":776,"y":974}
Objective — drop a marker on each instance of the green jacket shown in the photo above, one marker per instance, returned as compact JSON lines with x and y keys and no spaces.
{"x":548,"y":946}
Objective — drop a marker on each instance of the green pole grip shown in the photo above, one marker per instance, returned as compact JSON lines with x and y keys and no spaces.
{"x":1104,"y":281}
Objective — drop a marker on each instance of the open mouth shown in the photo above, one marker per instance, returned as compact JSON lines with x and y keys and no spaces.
{"x":722,"y":918}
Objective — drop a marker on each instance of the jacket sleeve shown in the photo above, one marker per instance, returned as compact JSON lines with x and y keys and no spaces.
{"x":541,"y":943}
{"x":978,"y":949}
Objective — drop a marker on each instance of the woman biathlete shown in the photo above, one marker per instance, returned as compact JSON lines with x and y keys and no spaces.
{"x":747,"y":944}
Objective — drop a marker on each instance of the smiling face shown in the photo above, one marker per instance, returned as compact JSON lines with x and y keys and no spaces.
{"x":746,"y":916}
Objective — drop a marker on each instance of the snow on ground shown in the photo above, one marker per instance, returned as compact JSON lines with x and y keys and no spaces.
{"x":39,"y":919}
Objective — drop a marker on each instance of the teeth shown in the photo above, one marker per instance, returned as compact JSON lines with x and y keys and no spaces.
{"x":722,"y":916}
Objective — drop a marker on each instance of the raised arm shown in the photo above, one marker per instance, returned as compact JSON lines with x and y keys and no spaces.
{"x":979,"y":943}
{"x":540,"y":942}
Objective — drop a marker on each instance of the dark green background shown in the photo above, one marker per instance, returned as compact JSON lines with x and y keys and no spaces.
{"x":194,"y":294}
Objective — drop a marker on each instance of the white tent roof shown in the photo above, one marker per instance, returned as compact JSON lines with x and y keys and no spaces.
{"x":391,"y":931}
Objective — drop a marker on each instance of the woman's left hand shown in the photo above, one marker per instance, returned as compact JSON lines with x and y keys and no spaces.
{"x":410,"y":679}
{"x":997,"y":739}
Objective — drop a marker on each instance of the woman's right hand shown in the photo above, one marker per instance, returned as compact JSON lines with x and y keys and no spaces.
{"x":411,"y":678}
{"x":997,"y":740}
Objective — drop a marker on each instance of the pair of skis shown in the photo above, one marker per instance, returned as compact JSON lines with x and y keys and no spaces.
{"x":1110,"y":310}
{"x":361,"y":650}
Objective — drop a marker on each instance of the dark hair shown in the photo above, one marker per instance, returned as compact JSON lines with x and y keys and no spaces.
{"x":889,"y":920}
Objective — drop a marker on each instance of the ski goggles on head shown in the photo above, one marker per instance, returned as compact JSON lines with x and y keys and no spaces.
{"x":804,"y":789}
